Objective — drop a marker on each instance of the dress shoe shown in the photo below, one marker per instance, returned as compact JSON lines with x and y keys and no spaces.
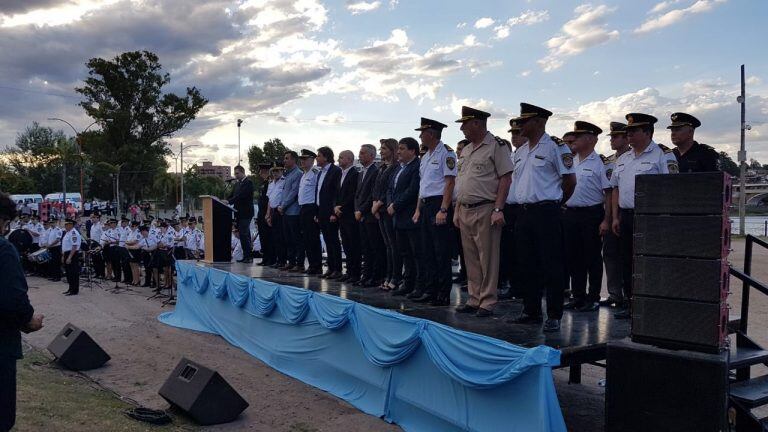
{"x":525,"y":319}
{"x":623,"y":314}
{"x":247,"y":261}
{"x":609,"y":301}
{"x":573,"y":304}
{"x":424,"y":298}
{"x":403,"y":290}
{"x":343,"y":278}
{"x":325,"y":275}
{"x":414,"y":295}
{"x":65,"y":292}
{"x":313,"y":271}
{"x":459,"y":280}
{"x":483,"y":313}
{"x":588,"y":307}
{"x":552,"y":325}
{"x":368,"y":283}
{"x":440,"y":301}
{"x":334,"y":275}
{"x":298,"y":269}
{"x":465,"y":308}
{"x":70,"y":294}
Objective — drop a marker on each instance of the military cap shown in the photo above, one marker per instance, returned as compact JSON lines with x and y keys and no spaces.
{"x":683,"y":119}
{"x":123,"y":218}
{"x":163,"y":224}
{"x":69,"y":221}
{"x":617,"y":129}
{"x":134,"y":223}
{"x":53,"y":219}
{"x":569,"y":134}
{"x":144,"y":228}
{"x":97,"y":214}
{"x":530,"y":111}
{"x":112,"y":220}
{"x":265,"y":166}
{"x":430,"y":124}
{"x":174,"y":223}
{"x":192,"y":219}
{"x":580,"y":127}
{"x":468,"y":114}
{"x":640,"y":119}
{"x":307,"y":154}
{"x":514,"y":125}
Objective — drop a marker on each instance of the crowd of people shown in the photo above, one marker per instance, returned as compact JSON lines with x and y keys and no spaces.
{"x":533,"y":217}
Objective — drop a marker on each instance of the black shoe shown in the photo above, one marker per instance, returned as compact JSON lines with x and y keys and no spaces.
{"x":333,"y":276}
{"x":414,"y":294}
{"x":465,"y":308}
{"x":459,"y":280}
{"x":573,"y":304}
{"x":588,"y":307}
{"x":552,"y":325}
{"x":483,"y":313}
{"x":424,"y":298}
{"x":370,"y":283}
{"x":608,"y":301}
{"x":65,"y":292}
{"x":325,"y":275}
{"x":623,"y":314}
{"x":247,"y":261}
{"x":343,"y":278}
{"x":313,"y":271}
{"x":440,"y":301}
{"x":525,"y":319}
{"x":146,"y":285}
{"x":402,"y":291}
{"x":70,"y":294}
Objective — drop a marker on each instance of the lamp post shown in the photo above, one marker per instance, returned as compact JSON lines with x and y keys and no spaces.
{"x":239,"y":122}
{"x":80,"y":153}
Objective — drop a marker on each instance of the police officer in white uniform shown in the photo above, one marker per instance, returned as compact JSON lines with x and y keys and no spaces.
{"x":544,"y":179}
{"x":508,"y":272}
{"x":583,"y":215}
{"x":192,"y":239}
{"x":70,"y":248}
{"x":54,"y":246}
{"x":437,"y":171}
{"x":309,"y":244}
{"x":646,"y":157}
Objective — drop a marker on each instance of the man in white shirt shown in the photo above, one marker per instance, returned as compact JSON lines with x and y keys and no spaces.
{"x":54,"y":245}
{"x":70,"y":259}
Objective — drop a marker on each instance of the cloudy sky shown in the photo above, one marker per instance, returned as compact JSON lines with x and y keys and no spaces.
{"x":343,"y":73}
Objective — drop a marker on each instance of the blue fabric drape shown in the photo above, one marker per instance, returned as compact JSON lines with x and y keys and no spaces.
{"x":417,"y":373}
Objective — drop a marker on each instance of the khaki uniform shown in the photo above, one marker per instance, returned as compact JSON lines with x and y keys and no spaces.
{"x":480,"y":167}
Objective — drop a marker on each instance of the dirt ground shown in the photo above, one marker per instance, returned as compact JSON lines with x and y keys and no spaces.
{"x":144,"y":351}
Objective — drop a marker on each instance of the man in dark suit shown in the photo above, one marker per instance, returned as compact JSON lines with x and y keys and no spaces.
{"x":345,"y":214}
{"x":370,"y":236}
{"x":16,"y":315}
{"x":327,"y":189}
{"x":403,"y":195}
{"x":265,"y":231}
{"x":242,"y":199}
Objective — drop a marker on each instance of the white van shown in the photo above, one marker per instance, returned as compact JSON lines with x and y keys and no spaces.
{"x":72,"y":197}
{"x":32,"y":199}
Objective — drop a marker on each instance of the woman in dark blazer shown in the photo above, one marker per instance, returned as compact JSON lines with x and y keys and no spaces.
{"x":394,"y":270}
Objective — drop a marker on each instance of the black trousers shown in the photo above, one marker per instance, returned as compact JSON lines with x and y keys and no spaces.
{"x":7,"y":393}
{"x":540,"y":255}
{"x":409,"y":244}
{"x":330,"y":232}
{"x":436,"y":246}
{"x":310,"y":237}
{"x":350,"y":239}
{"x":508,"y":258}
{"x":294,"y":251}
{"x":394,"y":266}
{"x":125,"y":263}
{"x":278,"y":238}
{"x":97,"y":260}
{"x":244,"y":226}
{"x":584,"y":250}
{"x":55,"y":264}
{"x":373,"y":249}
{"x":73,"y":274}
{"x":626,"y":232}
{"x":267,"y":244}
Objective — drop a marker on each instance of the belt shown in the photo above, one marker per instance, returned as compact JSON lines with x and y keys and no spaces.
{"x":477,"y":204}
{"x":586,"y":208}
{"x":432,"y":198}
{"x":539,"y":204}
{"x":307,"y":205}
{"x":623,"y":210}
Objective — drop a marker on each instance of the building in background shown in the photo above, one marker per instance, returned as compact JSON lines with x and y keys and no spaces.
{"x":223,"y":172}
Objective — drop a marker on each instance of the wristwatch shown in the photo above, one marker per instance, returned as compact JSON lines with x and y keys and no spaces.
{"x":496,"y":210}
{"x":443,"y":210}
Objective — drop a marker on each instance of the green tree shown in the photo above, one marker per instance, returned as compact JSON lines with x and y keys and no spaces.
{"x":11,"y":182}
{"x":755,"y":164}
{"x":164,"y":189}
{"x":125,"y":95}
{"x":728,"y":165}
{"x":270,"y":152}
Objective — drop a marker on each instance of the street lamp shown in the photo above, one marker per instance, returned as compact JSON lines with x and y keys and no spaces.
{"x":80,"y":153}
{"x":239,"y":122}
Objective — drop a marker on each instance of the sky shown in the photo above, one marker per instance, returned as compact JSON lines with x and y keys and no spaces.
{"x":343,"y":73}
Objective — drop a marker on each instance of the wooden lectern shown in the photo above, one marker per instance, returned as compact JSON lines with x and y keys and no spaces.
{"x":217,"y":220}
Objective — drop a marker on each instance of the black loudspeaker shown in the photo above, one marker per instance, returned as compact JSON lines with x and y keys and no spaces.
{"x":680,"y":323}
{"x":705,"y":237}
{"x":75,"y":350}
{"x":685,"y":193}
{"x":202,"y":393}
{"x":653,"y":389}
{"x":681,"y":278}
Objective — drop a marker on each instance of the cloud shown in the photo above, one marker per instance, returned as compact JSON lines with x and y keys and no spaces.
{"x":526,"y":18}
{"x":586,"y":30}
{"x":525,"y":73}
{"x":332,"y":118}
{"x":461,"y":25}
{"x":753,"y":80}
{"x":662,"y":6}
{"x":484,"y":22}
{"x":675,"y":15}
{"x":11,"y":7}
{"x":358,"y":7}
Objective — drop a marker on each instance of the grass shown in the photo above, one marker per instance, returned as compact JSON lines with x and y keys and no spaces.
{"x":49,"y":398}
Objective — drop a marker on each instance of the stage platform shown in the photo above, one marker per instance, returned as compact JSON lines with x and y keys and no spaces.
{"x":583,"y":336}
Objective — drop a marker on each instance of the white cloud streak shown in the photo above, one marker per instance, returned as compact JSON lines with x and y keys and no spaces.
{"x":527,"y":18}
{"x":676,"y":15}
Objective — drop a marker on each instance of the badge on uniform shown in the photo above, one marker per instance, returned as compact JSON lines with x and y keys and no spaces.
{"x":450,"y":162}
{"x":567,"y":160}
{"x":608,"y":173}
{"x":673,"y":167}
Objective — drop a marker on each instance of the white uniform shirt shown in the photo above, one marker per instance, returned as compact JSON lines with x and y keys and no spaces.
{"x":653,"y":160}
{"x":178,"y":236}
{"x":54,"y":236}
{"x":34,"y":228}
{"x":71,"y":240}
{"x":44,"y":237}
{"x":96,"y":231}
{"x":105,"y":237}
{"x":201,"y":242}
{"x":591,"y":181}
{"x":168,"y":239}
{"x":192,"y":238}
{"x":123,"y":234}
{"x":307,"y":186}
{"x":275,"y":192}
{"x":511,"y":198}
{"x":237,"y":249}
{"x":147,"y":243}
{"x":434,"y":166}
{"x":538,"y":171}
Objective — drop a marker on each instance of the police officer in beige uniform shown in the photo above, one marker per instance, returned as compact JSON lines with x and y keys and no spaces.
{"x":483,"y":183}
{"x":646,"y":157}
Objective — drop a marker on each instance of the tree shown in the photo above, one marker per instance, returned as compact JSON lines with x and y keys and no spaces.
{"x":271,"y":153}
{"x":125,"y":95}
{"x":755,"y":164}
{"x":12,"y":183}
{"x":728,"y":165}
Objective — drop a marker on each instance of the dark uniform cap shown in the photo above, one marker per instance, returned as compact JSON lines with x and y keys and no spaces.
{"x":468,"y":114}
{"x":134,"y":223}
{"x":144,"y":228}
{"x":163,"y":224}
{"x":640,"y":119}
{"x":514,"y":125}
{"x":307,"y":154}
{"x":618,"y":129}
{"x":580,"y":127}
{"x":530,"y":111}
{"x":175,"y":223}
{"x":53,"y":219}
{"x":113,"y":220}
{"x":192,"y":219}
{"x":569,"y":134}
{"x":683,"y":119}
{"x":69,"y":221}
{"x":124,"y":219}
{"x":430,"y":124}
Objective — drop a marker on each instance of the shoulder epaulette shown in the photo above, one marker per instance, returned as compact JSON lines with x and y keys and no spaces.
{"x":665,"y":148}
{"x":557,"y":140}
{"x":447,"y":147}
{"x":606,"y":160}
{"x":708,"y":147}
{"x":501,"y":141}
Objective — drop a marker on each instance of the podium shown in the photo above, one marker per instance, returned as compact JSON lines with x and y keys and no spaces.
{"x":217,"y":229}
